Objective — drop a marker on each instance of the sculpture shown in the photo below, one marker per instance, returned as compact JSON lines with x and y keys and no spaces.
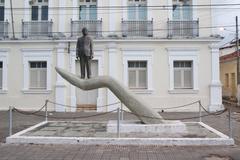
{"x":84,"y":52}
{"x":136,"y":105}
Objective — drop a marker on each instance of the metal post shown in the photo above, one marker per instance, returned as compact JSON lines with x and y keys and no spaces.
{"x":230,"y":123}
{"x":10,"y":120}
{"x":200,"y":112}
{"x":121,"y":111}
{"x":46,"y":111}
{"x":118,"y":123}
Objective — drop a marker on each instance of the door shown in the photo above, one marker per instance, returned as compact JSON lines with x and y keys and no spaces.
{"x":87,"y":100}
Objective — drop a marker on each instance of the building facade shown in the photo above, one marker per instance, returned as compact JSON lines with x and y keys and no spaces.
{"x":228,"y":71}
{"x":161,"y":50}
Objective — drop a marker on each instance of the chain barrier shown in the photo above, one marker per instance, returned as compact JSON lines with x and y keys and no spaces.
{"x":215,"y":113}
{"x":182,"y":106}
{"x":69,"y":106}
{"x":79,"y":117}
{"x":54,"y":117}
{"x":30,"y":113}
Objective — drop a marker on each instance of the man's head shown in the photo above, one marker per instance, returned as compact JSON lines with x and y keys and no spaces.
{"x":84,"y":31}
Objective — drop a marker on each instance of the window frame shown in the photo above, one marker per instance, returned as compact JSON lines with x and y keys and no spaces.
{"x":37,"y":68}
{"x":137,"y":70}
{"x":139,"y":55}
{"x":4,"y":60}
{"x":183,"y":54}
{"x":2,"y":5}
{"x":31,"y":55}
{"x":87,"y":9}
{"x":137,"y":9}
{"x":182,"y":70}
{"x":40,"y":6}
{"x":181,"y":10}
{"x":226,"y":76}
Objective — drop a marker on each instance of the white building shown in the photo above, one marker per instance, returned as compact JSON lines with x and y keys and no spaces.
{"x":161,"y":53}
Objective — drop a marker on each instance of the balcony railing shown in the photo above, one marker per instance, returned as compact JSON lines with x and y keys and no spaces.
{"x":37,"y":29}
{"x":139,"y":28}
{"x":94,"y":27}
{"x":4,"y":29}
{"x":183,"y":29}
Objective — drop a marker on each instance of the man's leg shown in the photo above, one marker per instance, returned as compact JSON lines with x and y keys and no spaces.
{"x":82,"y":66}
{"x":88,"y":65}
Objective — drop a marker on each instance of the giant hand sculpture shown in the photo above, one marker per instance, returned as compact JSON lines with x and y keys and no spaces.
{"x":136,"y":105}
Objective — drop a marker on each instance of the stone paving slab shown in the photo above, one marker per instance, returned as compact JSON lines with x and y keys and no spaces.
{"x":78,"y":152}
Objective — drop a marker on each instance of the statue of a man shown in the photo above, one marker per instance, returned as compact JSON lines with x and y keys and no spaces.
{"x":84,"y":52}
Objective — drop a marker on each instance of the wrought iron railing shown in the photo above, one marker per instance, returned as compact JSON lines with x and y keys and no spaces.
{"x":139,"y":28}
{"x":37,"y":29}
{"x":94,"y":27}
{"x":183,"y":28}
{"x":4,"y":29}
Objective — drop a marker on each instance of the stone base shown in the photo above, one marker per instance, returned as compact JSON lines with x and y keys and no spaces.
{"x":137,"y":127}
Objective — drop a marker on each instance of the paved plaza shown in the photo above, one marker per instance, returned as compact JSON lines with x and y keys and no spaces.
{"x":82,"y":152}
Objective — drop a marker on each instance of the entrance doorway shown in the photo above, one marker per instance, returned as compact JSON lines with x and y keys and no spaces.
{"x":87,"y":100}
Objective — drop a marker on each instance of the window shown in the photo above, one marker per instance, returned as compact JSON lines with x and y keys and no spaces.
{"x":182,"y":10}
{"x":233,"y":80}
{"x":137,"y":9}
{"x":183,"y":75}
{"x":88,"y":10}
{"x":1,"y":74}
{"x":40,"y":10}
{"x":1,"y":10}
{"x":38,"y":75}
{"x":226,"y":80}
{"x":137,"y":74}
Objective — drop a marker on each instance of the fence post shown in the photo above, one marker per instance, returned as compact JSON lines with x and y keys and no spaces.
{"x":200,"y":111}
{"x":46,"y":111}
{"x":118,"y":123}
{"x":230,"y":123}
{"x":10,"y":120}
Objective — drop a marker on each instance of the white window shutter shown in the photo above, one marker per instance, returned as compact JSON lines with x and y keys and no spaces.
{"x":188,"y":78}
{"x":33,"y":78}
{"x":142,"y":78}
{"x":132,"y":79}
{"x":177,"y":78}
{"x":1,"y":78}
{"x":43,"y":78}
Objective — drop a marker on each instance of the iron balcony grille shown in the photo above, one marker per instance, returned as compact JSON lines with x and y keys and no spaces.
{"x":94,"y":27}
{"x":183,"y":28}
{"x":37,"y":29}
{"x":139,"y":28}
{"x":4,"y":29}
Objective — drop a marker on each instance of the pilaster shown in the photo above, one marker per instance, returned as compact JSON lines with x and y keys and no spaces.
{"x":111,"y":98}
{"x":60,"y":96}
{"x":215,"y":86}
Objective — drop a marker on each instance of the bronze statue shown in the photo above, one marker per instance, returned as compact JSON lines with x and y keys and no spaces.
{"x":84,"y":52}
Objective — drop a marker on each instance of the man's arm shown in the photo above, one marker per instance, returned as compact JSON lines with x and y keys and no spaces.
{"x":77,"y":49}
{"x":91,"y":48}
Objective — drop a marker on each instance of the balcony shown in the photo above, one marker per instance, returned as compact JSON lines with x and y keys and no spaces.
{"x":3,"y":29}
{"x":183,"y":29}
{"x":139,"y":28}
{"x":94,"y":28}
{"x":37,"y":29}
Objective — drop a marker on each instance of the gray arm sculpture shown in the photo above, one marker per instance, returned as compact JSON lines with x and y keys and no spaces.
{"x":136,"y":105}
